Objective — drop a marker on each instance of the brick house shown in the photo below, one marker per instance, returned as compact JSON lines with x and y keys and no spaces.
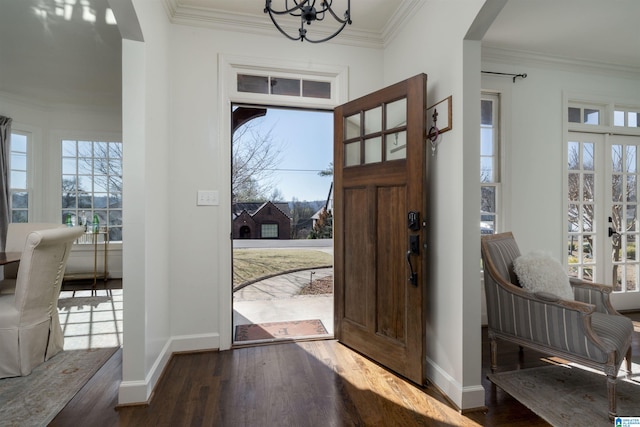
{"x":266,"y":220}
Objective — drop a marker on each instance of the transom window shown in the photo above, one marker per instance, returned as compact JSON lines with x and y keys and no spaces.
{"x":624,"y":117}
{"x":272,"y":85}
{"x":92,"y":184}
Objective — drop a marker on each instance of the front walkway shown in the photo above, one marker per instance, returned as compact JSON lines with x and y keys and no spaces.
{"x":277,"y":299}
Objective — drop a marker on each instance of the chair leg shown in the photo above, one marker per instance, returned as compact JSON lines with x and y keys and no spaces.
{"x":611,"y":391}
{"x":494,"y":354}
{"x":628,"y":360}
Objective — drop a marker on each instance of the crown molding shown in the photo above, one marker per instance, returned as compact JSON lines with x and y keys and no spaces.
{"x":255,"y":24}
{"x":523,"y":58}
{"x":401,"y":16}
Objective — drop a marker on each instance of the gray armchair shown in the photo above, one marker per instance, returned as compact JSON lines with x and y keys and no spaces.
{"x":30,"y":331}
{"x":587,"y":331}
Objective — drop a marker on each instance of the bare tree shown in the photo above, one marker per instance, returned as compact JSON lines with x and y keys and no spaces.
{"x":255,"y":156}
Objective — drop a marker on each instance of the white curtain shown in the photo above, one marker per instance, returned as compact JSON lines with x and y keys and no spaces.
{"x":5,"y":174}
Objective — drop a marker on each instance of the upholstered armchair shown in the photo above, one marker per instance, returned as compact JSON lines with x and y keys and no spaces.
{"x":587,"y":331}
{"x":30,"y":331}
{"x":17,"y":233}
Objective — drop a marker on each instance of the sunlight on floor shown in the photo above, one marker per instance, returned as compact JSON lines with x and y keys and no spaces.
{"x":91,"y":321}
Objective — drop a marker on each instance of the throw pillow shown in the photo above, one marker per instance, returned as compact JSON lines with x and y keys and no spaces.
{"x":538,"y":271}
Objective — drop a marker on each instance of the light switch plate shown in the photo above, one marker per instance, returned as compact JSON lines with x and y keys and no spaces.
{"x":208,"y":198}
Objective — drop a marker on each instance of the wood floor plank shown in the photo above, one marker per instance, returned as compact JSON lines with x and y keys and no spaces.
{"x":314,"y":383}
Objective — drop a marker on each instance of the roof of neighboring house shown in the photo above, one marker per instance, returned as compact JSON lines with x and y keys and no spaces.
{"x":253,"y":207}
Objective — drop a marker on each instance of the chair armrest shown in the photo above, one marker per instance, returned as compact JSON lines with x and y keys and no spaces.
{"x":593,"y":293}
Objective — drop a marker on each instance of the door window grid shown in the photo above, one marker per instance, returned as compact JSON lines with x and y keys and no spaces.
{"x":92,"y":184}
{"x":19,"y":177}
{"x":489,"y":162}
{"x":624,"y":214}
{"x":581,"y":240}
{"x":376,"y":135}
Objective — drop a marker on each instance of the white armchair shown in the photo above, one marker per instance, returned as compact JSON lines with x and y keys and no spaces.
{"x":30,"y":331}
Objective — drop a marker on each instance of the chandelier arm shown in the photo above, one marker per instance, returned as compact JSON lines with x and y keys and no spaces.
{"x":347,"y":13}
{"x":298,"y":6}
{"x":284,"y":33}
{"x":344,"y":23}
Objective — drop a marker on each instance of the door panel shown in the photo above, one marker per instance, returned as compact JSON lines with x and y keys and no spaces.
{"x":380,"y":175}
{"x":603,"y":228}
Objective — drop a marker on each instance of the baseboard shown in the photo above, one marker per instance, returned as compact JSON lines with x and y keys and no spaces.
{"x":463,"y":398}
{"x":139,"y":392}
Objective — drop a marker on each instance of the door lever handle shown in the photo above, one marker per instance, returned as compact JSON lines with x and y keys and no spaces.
{"x":612,"y":232}
{"x":413,"y":276}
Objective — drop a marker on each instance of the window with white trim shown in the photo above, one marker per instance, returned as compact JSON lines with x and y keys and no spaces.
{"x":489,"y":162}
{"x":19,"y":181}
{"x":269,"y":231}
{"x":92,"y":184}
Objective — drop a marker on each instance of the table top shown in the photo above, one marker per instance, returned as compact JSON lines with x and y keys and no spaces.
{"x":9,"y":257}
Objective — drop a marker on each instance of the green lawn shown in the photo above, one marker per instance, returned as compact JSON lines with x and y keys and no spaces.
{"x":251,"y":264}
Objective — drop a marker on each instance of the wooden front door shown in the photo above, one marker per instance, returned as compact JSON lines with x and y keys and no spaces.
{"x":379,"y":207}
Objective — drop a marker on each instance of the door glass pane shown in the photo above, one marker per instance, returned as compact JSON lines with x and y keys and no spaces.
{"x":352,"y":154}
{"x":616,"y":158}
{"x":373,"y":150}
{"x":587,"y":156}
{"x":396,"y":114}
{"x":587,"y":191}
{"x":373,"y":121}
{"x":632,"y":216}
{"x":396,"y":146}
{"x":352,"y":126}
{"x":631,"y":249}
{"x":631,"y":188}
{"x":573,"y":155}
{"x":631,"y":159}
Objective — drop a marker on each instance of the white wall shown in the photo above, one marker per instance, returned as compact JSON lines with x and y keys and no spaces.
{"x":433,"y":43}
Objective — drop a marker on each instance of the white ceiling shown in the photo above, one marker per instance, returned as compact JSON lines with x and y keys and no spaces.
{"x":57,"y":55}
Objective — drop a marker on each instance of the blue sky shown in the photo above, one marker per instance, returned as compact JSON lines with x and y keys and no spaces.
{"x":307,"y":138}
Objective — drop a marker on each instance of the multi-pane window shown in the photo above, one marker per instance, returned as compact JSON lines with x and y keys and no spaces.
{"x":624,"y":117}
{"x":489,"y":162}
{"x":269,"y":231}
{"x":92,"y":184}
{"x":271,"y":85}
{"x":586,"y":114}
{"x":18,"y":181}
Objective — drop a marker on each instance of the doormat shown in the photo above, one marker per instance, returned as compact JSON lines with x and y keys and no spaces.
{"x":280,"y":330}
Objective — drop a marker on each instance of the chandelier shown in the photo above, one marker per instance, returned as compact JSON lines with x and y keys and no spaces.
{"x":306,"y":10}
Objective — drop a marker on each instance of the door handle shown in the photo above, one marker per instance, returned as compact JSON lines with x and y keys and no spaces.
{"x":612,"y":232}
{"x":413,"y":276}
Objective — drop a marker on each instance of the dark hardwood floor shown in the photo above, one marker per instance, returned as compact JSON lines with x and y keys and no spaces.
{"x":314,"y":383}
